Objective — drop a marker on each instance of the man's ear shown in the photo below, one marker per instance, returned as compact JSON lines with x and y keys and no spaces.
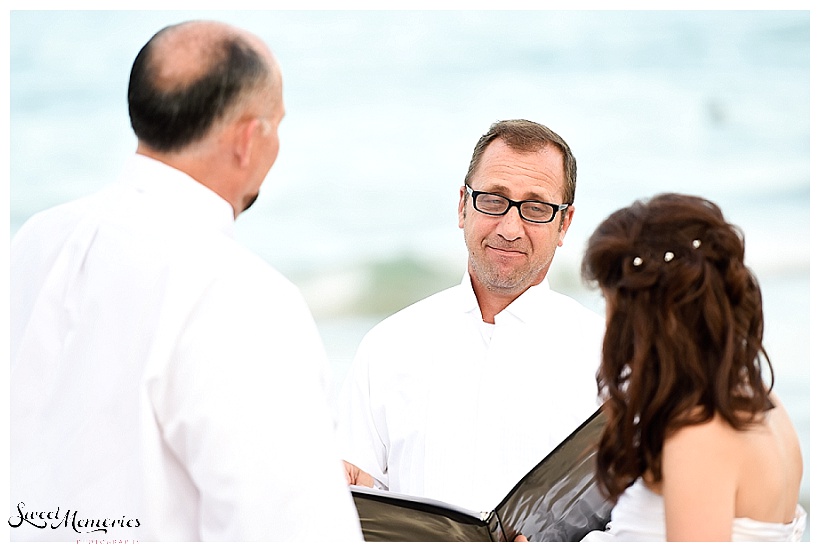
{"x":566,"y":220}
{"x":462,"y":206}
{"x":244,"y":136}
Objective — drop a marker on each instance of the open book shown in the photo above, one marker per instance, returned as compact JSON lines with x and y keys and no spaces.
{"x":558,"y":500}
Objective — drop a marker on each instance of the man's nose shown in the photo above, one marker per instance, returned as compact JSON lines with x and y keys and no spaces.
{"x":511,"y":225}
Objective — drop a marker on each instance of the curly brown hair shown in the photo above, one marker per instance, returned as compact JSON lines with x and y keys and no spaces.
{"x":684,"y":330}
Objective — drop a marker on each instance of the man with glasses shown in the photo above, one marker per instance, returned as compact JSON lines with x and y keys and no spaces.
{"x":166,"y":383}
{"x":458,"y":396}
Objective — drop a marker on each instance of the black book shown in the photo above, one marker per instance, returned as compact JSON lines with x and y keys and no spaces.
{"x":558,"y":500}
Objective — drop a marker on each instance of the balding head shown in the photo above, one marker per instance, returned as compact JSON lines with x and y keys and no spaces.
{"x":191,"y":76}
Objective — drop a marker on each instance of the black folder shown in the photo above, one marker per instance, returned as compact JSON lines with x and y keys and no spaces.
{"x":558,"y":500}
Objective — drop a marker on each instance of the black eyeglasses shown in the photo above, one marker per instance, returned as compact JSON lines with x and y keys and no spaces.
{"x":497,"y":205}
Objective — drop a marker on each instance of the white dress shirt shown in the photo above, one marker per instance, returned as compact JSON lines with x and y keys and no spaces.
{"x":441,"y":405}
{"x":166,"y":383}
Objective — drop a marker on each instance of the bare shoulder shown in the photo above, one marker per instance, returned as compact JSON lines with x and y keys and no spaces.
{"x":705,"y":437}
{"x":699,"y":480}
{"x":704,"y":452}
{"x":760,"y":466}
{"x":716,"y":433}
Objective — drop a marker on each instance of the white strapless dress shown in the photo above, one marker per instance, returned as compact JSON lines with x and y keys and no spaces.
{"x":639,"y":516}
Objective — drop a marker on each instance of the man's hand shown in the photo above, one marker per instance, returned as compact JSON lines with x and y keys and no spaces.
{"x":355,"y":476}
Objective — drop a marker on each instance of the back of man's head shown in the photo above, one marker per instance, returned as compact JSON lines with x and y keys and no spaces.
{"x":187,"y":78}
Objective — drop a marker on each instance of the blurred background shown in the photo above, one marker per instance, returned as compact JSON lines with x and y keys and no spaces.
{"x":383,"y":111}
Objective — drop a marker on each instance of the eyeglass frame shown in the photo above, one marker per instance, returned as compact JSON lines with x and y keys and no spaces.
{"x":517,"y":204}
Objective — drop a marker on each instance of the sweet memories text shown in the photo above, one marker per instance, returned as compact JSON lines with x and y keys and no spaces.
{"x":53,"y":519}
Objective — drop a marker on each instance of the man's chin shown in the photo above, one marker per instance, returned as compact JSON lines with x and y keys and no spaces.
{"x":510,"y":289}
{"x":505,"y":284}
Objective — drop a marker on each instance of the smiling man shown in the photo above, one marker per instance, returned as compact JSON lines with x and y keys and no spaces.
{"x":458,"y":396}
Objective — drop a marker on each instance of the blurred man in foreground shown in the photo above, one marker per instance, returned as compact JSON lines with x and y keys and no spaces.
{"x":167,"y":384}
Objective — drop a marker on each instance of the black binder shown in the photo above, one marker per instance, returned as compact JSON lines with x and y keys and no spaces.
{"x":558,"y":500}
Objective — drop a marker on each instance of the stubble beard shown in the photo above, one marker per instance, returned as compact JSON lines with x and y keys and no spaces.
{"x":498,"y":280}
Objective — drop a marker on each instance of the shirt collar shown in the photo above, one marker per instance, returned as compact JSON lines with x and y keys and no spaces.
{"x":527,"y":306}
{"x":191,"y":202}
{"x":469,"y":303}
{"x":530,"y":304}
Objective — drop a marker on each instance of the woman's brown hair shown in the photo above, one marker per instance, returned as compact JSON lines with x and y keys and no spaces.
{"x":684,"y":330}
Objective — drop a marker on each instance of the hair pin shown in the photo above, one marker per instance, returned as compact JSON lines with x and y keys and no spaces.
{"x":668,"y":256}
{"x":637,"y":261}
{"x":696,"y":243}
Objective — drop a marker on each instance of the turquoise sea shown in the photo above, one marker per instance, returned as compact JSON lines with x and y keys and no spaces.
{"x":383,"y":110}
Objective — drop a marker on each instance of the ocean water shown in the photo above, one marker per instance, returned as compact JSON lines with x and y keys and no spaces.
{"x":384,"y":108}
